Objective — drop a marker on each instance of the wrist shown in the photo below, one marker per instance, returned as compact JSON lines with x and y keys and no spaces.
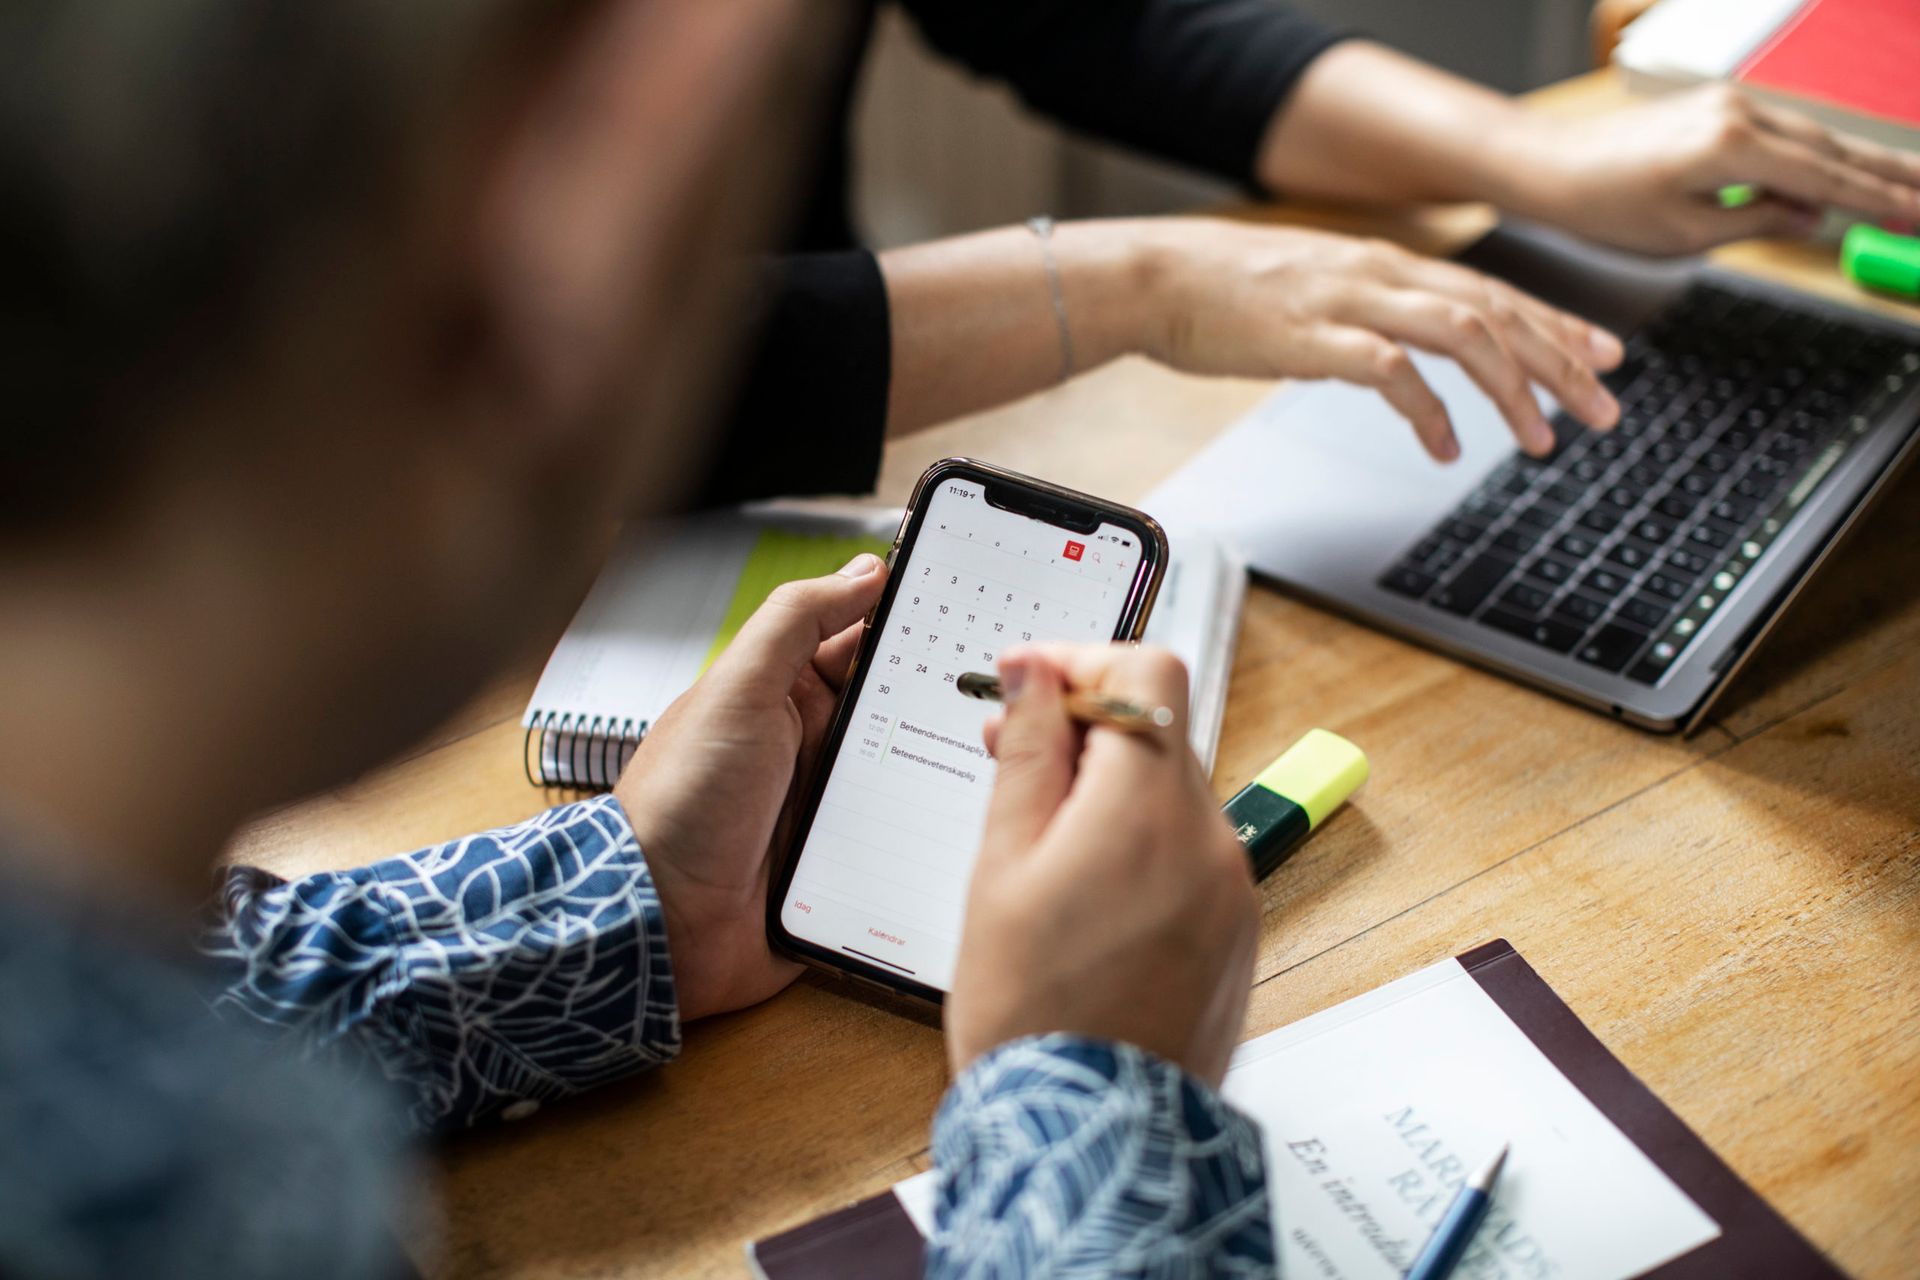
{"x":1521,"y":169}
{"x":1111,"y":276}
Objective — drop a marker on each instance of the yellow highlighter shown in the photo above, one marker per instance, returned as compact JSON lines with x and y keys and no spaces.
{"x":1292,"y":796}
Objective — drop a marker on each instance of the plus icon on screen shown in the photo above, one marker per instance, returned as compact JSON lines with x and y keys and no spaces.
{"x":1075,"y":549}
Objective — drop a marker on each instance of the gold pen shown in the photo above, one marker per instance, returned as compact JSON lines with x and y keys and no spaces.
{"x":1088,"y":708}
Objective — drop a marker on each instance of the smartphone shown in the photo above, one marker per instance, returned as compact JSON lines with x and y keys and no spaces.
{"x":874,"y":881}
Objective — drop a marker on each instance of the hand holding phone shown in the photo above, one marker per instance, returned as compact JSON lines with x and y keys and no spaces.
{"x":710,"y":791}
{"x":1110,"y":898}
{"x":874,"y":883}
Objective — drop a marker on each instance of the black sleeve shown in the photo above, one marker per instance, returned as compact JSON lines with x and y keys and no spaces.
{"x":1195,"y":81}
{"x":810,"y":414}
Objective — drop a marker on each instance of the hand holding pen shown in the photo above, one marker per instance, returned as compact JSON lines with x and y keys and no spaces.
{"x":1087,"y":707}
{"x":1270,"y":815}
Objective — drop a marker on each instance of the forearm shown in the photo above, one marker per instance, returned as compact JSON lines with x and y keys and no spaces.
{"x":974,"y":323}
{"x":1060,"y":1155}
{"x":507,"y":967}
{"x":1367,"y":124}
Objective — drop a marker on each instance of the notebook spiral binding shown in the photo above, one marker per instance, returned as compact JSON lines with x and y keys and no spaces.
{"x":573,"y":751}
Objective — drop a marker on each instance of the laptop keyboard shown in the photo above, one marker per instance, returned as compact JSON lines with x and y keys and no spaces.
{"x":1619,"y":547}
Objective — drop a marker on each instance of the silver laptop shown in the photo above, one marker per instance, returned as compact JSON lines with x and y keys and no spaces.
{"x":1633,"y":571}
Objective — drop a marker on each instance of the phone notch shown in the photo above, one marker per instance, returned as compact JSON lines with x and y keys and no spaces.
{"x":1038,"y":505}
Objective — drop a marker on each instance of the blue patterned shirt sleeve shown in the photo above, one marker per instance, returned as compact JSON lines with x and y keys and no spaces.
{"x":482,"y":975}
{"x":1063,"y":1156}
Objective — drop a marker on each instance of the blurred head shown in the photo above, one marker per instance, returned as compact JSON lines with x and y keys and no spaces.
{"x":339,"y":333}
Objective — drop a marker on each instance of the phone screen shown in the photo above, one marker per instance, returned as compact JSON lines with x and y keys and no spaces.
{"x":882,"y":876}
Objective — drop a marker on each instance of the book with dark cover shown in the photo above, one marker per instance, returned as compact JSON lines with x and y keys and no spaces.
{"x":876,"y":1239}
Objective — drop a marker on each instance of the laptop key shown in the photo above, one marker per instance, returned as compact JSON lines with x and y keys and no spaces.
{"x":1602,"y":582}
{"x":1667,"y":585}
{"x":1577,"y":545}
{"x":1566,"y":493}
{"x":1735,"y":511}
{"x":1547,"y":569}
{"x":1601,"y":519}
{"x":1708,"y":534}
{"x":1525,"y":598}
{"x":1408,"y":582}
{"x":1473,"y":584}
{"x":1650,"y":668}
{"x":1629,"y":554}
{"x":1646,"y":611}
{"x":1582,"y":610}
{"x":1690,"y":563}
{"x":1612,"y":646}
{"x":1653,"y":530}
{"x":1549,"y":633}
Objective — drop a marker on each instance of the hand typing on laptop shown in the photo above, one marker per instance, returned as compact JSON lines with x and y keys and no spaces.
{"x":1367,"y":125}
{"x":1648,"y":177}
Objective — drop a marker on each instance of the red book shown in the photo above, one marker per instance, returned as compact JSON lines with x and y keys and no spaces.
{"x":1853,"y":65}
{"x":1859,"y":55}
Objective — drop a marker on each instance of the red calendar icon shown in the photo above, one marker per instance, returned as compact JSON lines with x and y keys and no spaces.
{"x":1075,"y":550}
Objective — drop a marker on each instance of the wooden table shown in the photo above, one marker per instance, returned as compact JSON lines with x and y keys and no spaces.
{"x":1737,"y":915}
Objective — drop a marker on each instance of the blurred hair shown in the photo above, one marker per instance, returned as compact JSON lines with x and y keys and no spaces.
{"x":159,"y":160}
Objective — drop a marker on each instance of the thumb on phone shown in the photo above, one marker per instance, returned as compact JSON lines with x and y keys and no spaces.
{"x":784,"y":634}
{"x":1035,"y":748}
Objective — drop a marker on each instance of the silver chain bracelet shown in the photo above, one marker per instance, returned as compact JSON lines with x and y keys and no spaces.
{"x":1042,"y":227}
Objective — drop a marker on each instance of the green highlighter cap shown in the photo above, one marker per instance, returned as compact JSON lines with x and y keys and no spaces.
{"x":1878,"y":259}
{"x":1277,"y":810}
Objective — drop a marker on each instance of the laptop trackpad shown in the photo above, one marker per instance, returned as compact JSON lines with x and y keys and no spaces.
{"x":1355,"y":427}
{"x":1325,"y":484}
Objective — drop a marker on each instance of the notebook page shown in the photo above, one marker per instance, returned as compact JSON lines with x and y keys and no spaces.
{"x":785,"y":555}
{"x":642,"y":635}
{"x":673,"y":594}
{"x":1197,"y":616}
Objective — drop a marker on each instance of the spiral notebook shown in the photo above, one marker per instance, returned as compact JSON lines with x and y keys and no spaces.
{"x":1373,"y":1111}
{"x":672,"y":596}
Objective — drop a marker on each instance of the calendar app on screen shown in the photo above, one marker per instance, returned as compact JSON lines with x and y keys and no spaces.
{"x":883,"y":874}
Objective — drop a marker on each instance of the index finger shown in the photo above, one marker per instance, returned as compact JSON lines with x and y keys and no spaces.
{"x":1896,"y":166}
{"x":1791,"y":168}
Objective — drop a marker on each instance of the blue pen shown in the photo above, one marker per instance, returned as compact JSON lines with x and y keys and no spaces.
{"x":1450,"y":1239}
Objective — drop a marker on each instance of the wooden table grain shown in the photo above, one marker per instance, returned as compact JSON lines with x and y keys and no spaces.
{"x":1736,"y":914}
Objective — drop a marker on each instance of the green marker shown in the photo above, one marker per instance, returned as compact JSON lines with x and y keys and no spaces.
{"x":1295,"y":794}
{"x":1738,"y":194}
{"x":1877,"y":259}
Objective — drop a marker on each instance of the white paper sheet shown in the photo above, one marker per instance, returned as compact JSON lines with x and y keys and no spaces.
{"x":1375,"y":1110}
